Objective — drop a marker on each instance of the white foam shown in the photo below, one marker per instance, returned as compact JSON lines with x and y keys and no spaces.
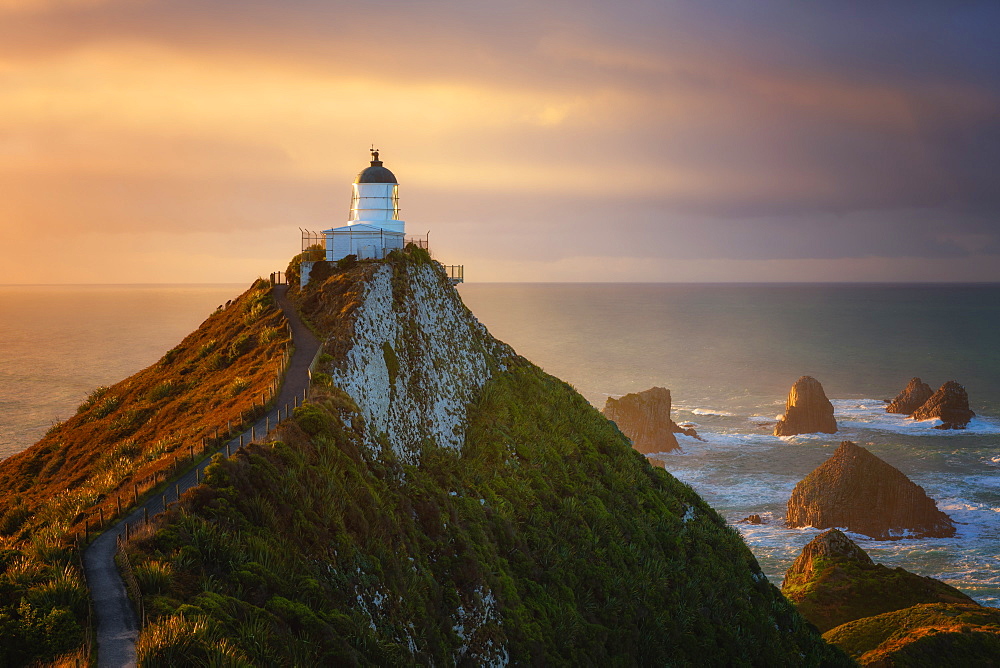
{"x":761,"y":419}
{"x":707,"y":411}
{"x":870,"y":414}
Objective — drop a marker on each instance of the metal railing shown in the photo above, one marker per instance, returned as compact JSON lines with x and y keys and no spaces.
{"x":456,"y":272}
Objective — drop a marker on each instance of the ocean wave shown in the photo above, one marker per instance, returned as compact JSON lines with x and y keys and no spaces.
{"x":870,"y":414}
{"x":706,"y":411}
{"x":762,"y":419}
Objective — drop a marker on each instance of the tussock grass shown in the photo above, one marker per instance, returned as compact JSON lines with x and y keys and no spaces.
{"x":122,"y":436}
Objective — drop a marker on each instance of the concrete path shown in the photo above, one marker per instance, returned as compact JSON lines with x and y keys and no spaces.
{"x":117,"y":626}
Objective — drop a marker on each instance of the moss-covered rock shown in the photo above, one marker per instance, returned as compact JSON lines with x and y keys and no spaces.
{"x":936,"y":635}
{"x":833,"y":581}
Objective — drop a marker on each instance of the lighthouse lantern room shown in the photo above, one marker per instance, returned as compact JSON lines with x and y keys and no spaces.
{"x":374,"y":228}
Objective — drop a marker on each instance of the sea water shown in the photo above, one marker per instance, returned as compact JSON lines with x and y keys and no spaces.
{"x":728,"y":353}
{"x":58,"y":343}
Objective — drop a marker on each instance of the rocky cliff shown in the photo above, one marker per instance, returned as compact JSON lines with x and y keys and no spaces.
{"x":645,"y":418}
{"x":911,"y":398}
{"x":856,"y":490}
{"x":449,"y":503}
{"x":807,"y":410}
{"x":950,"y":404}
{"x":833,"y":581}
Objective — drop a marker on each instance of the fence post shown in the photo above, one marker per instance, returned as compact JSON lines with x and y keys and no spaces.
{"x":118,"y":499}
{"x":100,"y":511}
{"x":177,"y":489}
{"x":135,"y":491}
{"x":145,"y":514}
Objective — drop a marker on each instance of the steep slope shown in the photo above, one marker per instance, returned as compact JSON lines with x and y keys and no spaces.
{"x":121,"y":442}
{"x":937,"y":635}
{"x":856,"y":490}
{"x":520,"y":527}
{"x":833,"y":581}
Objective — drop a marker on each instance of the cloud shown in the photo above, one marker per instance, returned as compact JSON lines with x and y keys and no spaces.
{"x":644,"y":130}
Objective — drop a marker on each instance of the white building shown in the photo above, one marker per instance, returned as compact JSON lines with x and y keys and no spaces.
{"x":374,"y":228}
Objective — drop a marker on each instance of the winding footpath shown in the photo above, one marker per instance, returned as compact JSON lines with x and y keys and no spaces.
{"x":117,"y":625}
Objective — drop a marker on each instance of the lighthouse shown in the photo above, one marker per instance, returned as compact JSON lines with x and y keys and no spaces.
{"x":373,"y":228}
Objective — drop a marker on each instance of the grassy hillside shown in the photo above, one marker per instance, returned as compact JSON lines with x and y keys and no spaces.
{"x":546,"y":539}
{"x":834,"y":588}
{"x":935,"y":635}
{"x":123,"y":439}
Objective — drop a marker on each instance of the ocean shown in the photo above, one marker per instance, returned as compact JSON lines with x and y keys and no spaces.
{"x":728,"y":353}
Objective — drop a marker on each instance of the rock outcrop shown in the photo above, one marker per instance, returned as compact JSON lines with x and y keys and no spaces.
{"x":943,"y":635}
{"x":950,"y":404}
{"x":833,"y":581}
{"x":505,"y":522}
{"x":911,"y":398}
{"x":807,"y":410}
{"x":856,"y":490}
{"x":644,"y":417}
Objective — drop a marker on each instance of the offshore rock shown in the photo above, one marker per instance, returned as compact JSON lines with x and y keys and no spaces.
{"x":644,"y":417}
{"x":833,"y":581}
{"x":751,"y":519}
{"x":856,"y":490}
{"x":807,"y":410}
{"x":911,"y":398}
{"x":950,"y":404}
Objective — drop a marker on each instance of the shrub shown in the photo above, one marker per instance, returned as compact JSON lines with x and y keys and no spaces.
{"x":177,"y":641}
{"x":153,"y":577}
{"x":239,"y":384}
{"x":163,"y":390}
{"x":206,"y":348}
{"x":105,"y":407}
{"x":92,"y":398}
{"x":240,"y":345}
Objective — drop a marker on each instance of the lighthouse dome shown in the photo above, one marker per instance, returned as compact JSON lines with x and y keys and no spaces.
{"x":375,"y":173}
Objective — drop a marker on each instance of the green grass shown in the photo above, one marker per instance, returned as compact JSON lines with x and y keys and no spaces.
{"x":580,"y":543}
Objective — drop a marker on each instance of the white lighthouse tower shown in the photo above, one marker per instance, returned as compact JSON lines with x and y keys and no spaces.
{"x":374,"y":228}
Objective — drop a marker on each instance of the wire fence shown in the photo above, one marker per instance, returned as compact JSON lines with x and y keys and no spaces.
{"x":128,"y":499}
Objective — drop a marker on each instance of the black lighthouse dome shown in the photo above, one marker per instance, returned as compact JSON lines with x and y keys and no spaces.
{"x":376,"y":173}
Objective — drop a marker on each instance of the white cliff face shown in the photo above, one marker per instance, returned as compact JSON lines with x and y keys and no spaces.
{"x":417,"y":360}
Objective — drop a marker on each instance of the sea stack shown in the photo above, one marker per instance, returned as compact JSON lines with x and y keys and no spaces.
{"x":911,"y":398}
{"x":950,"y":404}
{"x":807,"y":410}
{"x":645,"y":418}
{"x":833,"y":581}
{"x":857,"y":491}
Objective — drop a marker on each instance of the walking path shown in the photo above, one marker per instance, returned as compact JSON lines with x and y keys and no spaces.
{"x":117,"y":626}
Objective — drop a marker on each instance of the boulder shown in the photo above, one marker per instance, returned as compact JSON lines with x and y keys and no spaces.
{"x":807,"y":410}
{"x":911,"y":398}
{"x":751,"y":519}
{"x":950,"y":404}
{"x":833,"y":581}
{"x":856,"y":490}
{"x":644,"y":417}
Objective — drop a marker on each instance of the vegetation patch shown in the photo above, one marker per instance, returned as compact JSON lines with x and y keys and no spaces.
{"x":935,"y":634}
{"x":121,"y":438}
{"x":547,"y":538}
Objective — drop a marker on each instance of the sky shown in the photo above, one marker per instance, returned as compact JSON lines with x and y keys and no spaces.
{"x":180,"y":141}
